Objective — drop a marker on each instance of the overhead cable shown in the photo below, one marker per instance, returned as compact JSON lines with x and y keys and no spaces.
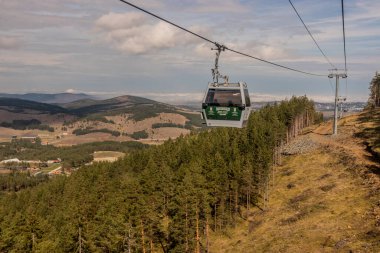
{"x":312,"y":37}
{"x":274,"y":64}
{"x":344,"y":39}
{"x":216,"y":43}
{"x":331,"y":86}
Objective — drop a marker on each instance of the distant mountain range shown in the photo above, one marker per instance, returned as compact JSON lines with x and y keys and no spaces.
{"x":82,"y":107}
{"x":59,"y":98}
{"x":137,"y":108}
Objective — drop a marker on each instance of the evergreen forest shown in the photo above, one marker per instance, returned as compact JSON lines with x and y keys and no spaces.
{"x":166,"y":198}
{"x":374,"y":89}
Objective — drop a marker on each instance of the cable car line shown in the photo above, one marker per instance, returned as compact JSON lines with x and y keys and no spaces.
{"x":167,"y":21}
{"x":331,"y":86}
{"x":216,"y":43}
{"x":312,"y":37}
{"x":274,"y":64}
{"x":344,"y":39}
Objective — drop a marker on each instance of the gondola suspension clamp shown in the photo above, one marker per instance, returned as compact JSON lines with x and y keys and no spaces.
{"x":215,"y":71}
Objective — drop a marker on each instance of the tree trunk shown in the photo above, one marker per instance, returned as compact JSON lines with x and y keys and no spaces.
{"x":150,"y":240}
{"x":248,"y":202}
{"x":215,"y":214}
{"x":230,"y":207}
{"x":236,"y":201}
{"x":197,"y":248}
{"x":186,"y":230}
{"x":129,"y":240}
{"x":280,"y":157}
{"x":142,"y":237}
{"x":80,"y":240}
{"x":207,"y":237}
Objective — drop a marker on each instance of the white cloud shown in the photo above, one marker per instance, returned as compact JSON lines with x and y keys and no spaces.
{"x":9,"y":42}
{"x":134,"y":33}
{"x":99,"y":94}
{"x":174,"y":98}
{"x":220,"y":6}
{"x":24,"y":58}
{"x":72,"y":91}
{"x":51,"y":30}
{"x":6,"y":69}
{"x":117,"y":21}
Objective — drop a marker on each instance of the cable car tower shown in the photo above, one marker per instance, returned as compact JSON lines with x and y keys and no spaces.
{"x":225,"y":104}
{"x":337,"y":75}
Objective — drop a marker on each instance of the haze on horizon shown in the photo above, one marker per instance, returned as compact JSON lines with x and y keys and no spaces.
{"x":106,"y":48}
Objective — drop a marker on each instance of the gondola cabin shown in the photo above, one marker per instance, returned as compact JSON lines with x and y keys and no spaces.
{"x":226,"y":105}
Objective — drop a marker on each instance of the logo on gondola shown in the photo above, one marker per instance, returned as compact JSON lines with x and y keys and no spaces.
{"x":222,"y":111}
{"x":234,"y":112}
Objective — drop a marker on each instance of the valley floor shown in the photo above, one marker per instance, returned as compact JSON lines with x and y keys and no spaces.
{"x":325,"y":196}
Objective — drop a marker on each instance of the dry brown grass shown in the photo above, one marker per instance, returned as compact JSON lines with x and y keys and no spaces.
{"x":107,"y":156}
{"x":323,"y":201}
{"x":319,"y":214}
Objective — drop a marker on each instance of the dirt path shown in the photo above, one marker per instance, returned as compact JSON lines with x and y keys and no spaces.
{"x":325,"y":199}
{"x":346,"y":140}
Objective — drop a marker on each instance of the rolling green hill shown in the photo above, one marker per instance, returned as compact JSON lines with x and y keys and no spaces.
{"x":79,"y":103}
{"x":112,"y":106}
{"x":137,"y":108}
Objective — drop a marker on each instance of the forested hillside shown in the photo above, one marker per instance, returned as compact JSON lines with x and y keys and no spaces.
{"x":18,"y":105}
{"x":123,"y":118}
{"x":167,"y":198}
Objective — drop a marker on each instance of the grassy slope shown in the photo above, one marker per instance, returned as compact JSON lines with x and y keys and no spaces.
{"x":322,"y":201}
{"x":370,"y":131}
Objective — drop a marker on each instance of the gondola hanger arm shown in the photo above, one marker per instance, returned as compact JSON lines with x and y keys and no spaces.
{"x":215,"y":71}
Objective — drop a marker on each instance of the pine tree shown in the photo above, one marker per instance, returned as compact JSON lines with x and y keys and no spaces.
{"x":374,"y":96}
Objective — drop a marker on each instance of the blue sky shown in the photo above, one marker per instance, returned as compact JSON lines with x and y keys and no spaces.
{"x":107,"y":48}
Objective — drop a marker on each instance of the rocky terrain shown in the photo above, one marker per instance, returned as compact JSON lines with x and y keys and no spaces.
{"x":303,"y":144}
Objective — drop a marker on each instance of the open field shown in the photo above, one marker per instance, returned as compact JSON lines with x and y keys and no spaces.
{"x":63,"y":133}
{"x":107,"y":156}
{"x":51,"y":167}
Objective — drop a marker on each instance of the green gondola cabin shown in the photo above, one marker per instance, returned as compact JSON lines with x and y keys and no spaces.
{"x":226,"y":105}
